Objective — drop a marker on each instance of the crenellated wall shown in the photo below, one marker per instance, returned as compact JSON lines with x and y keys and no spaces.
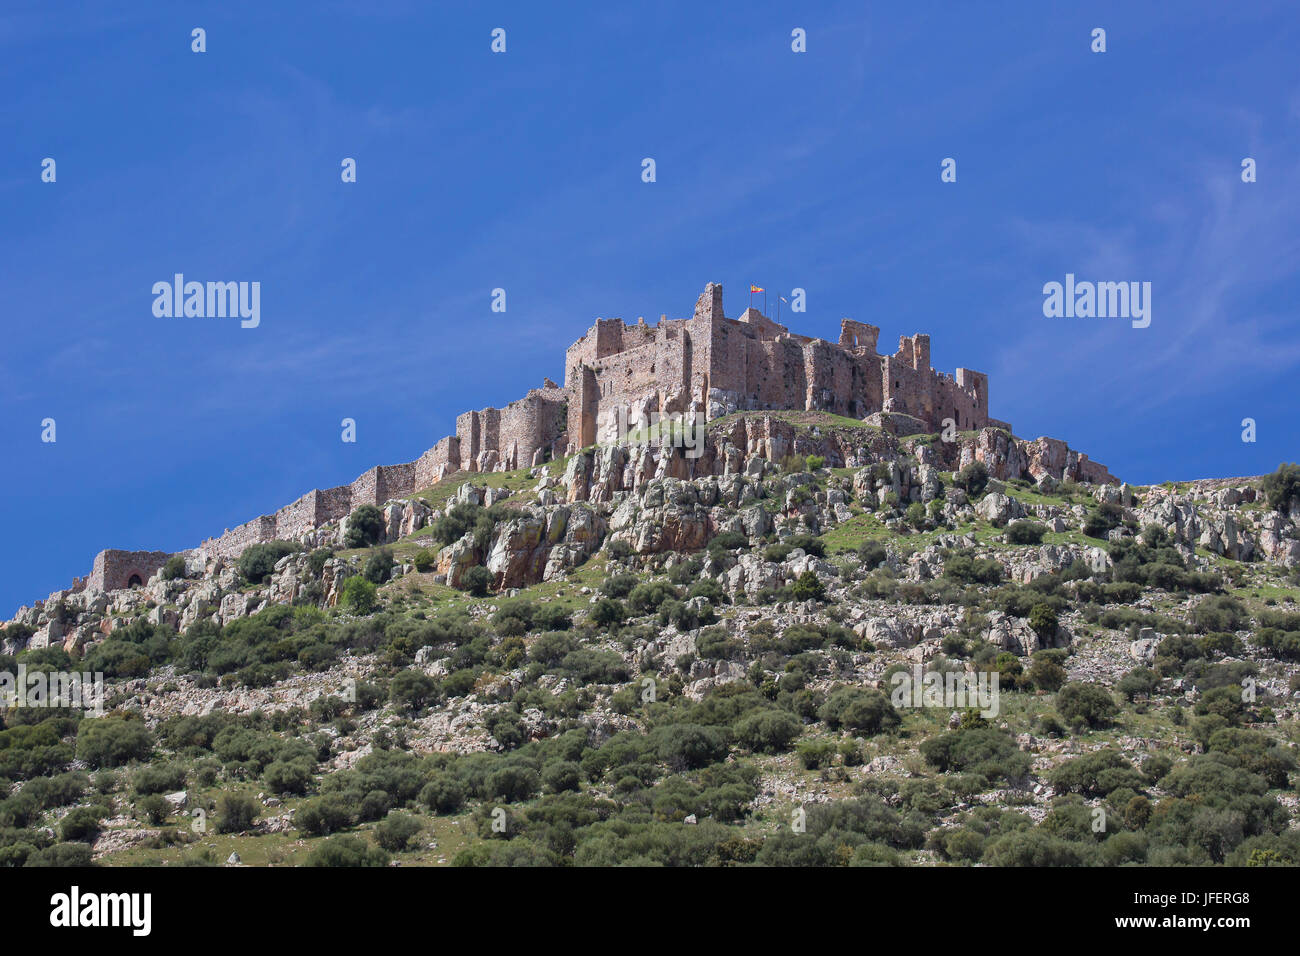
{"x":718,"y":365}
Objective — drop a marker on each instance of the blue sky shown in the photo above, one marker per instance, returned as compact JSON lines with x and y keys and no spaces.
{"x":522,"y":170}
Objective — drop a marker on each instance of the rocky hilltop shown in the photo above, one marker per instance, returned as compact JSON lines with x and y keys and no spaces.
{"x":676,"y":657}
{"x":703,"y":368}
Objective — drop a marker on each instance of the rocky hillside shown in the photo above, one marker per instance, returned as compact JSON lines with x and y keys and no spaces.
{"x":635,"y":656}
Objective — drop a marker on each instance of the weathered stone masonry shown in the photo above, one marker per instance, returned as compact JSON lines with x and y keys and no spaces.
{"x":114,"y":569}
{"x":715,"y":365}
{"x":706,"y":363}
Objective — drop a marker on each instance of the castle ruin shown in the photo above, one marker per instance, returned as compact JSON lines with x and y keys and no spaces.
{"x":706,"y":364}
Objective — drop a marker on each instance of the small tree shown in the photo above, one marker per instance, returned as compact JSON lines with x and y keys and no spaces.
{"x":607,"y":612}
{"x":413,"y":689}
{"x":808,"y":587}
{"x":379,"y":566}
{"x":174,"y":568}
{"x":477,"y":581}
{"x":395,"y":832}
{"x":153,"y":809}
{"x":346,"y":850}
{"x":113,"y":741}
{"x":1084,"y":704}
{"x":425,"y":559}
{"x":359,"y":594}
{"x":365,"y":527}
{"x":973,"y":478}
{"x":1026,"y":532}
{"x":236,"y":812}
{"x":1046,"y":673}
{"x":1281,"y":487}
{"x":768,"y":731}
{"x":83,"y":824}
{"x":258,"y":561}
{"x":1042,"y":618}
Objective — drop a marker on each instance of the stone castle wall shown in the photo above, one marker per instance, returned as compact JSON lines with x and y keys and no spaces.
{"x":716,"y":365}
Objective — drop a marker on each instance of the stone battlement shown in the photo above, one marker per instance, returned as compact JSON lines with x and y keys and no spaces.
{"x":716,"y":365}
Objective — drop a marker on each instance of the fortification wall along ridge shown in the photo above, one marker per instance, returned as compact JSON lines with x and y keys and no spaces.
{"x":706,"y":363}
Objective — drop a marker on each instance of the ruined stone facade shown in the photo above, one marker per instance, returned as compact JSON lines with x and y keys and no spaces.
{"x":114,"y":570}
{"x":714,"y":365}
{"x":706,"y":363}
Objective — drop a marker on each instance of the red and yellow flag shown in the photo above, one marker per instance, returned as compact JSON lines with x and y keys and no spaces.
{"x":755,"y":288}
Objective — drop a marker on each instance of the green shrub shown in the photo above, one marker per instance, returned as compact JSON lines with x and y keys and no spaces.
{"x":327,"y":814}
{"x":1033,"y":848}
{"x":1282,"y":645}
{"x":316,"y":560}
{"x":815,"y":754}
{"x":552,"y":617}
{"x":808,"y":587}
{"x":859,"y":710}
{"x":646,"y":598}
{"x":619,"y":585}
{"x":412,"y":689}
{"x":618,"y":549}
{"x":174,"y":568}
{"x":1042,"y":618}
{"x":425,"y":559}
{"x":347,"y":850}
{"x":689,"y":746}
{"x":257,"y":562}
{"x":1139,"y":682}
{"x":982,"y":751}
{"x":968,"y":570}
{"x":152,"y":809}
{"x":514,"y":616}
{"x":477,"y":581}
{"x":512,"y":783}
{"x":1082,"y":704}
{"x":288,"y":776}
{"x":727,"y":541}
{"x":113,"y":741}
{"x":80,"y":825}
{"x":768,"y":731}
{"x":1282,"y":486}
{"x":396,"y":831}
{"x":1026,"y":532}
{"x":973,"y":478}
{"x":359,"y":594}
{"x":378,"y":567}
{"x":1096,"y":774}
{"x":159,"y":778}
{"x":709,"y":589}
{"x":1046,"y":673}
{"x":872,"y":554}
{"x":236,"y":812}
{"x":1219,"y":613}
{"x":444,"y":794}
{"x":560,"y":776}
{"x":365,"y":527}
